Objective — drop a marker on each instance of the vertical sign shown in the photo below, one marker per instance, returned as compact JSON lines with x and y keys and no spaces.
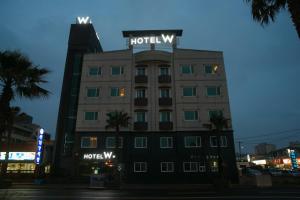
{"x":293,"y":157}
{"x":39,"y":147}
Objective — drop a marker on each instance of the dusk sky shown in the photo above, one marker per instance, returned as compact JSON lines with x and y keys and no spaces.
{"x":262,"y":63}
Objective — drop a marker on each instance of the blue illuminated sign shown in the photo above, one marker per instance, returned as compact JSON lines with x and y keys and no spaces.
{"x":38,"y":154}
{"x":293,"y":157}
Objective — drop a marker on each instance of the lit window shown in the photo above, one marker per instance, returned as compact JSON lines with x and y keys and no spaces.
{"x":166,"y":142}
{"x":91,"y":115}
{"x":110,"y":142}
{"x":213,"y":91}
{"x":213,"y":141}
{"x":140,"y":167}
{"x":214,"y":166}
{"x":116,"y":92}
{"x":191,"y":115}
{"x":140,"y":142}
{"x":89,"y":142}
{"x":165,"y":116}
{"x":190,"y":167}
{"x":164,"y":92}
{"x":192,"y":141}
{"x":92,"y":92}
{"x":94,"y":71}
{"x":117,"y":70}
{"x":187,"y":69}
{"x":167,"y":166}
{"x":189,"y":91}
{"x":211,"y":69}
{"x":122,"y":92}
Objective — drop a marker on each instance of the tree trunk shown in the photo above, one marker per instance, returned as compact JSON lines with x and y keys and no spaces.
{"x":220,"y":161}
{"x":5,"y":163}
{"x":294,"y":8}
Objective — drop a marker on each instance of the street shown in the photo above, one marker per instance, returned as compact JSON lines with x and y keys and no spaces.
{"x":7,"y":194}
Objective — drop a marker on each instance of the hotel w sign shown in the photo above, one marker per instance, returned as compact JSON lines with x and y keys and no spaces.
{"x":83,"y":20}
{"x":163,"y":39}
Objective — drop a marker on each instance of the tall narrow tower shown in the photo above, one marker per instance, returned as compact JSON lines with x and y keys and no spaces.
{"x":82,"y":39}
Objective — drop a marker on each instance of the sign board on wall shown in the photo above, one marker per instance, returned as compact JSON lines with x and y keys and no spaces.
{"x":18,"y":156}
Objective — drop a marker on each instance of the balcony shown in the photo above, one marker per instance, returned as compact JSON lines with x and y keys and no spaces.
{"x":140,"y":101}
{"x":141,"y":79}
{"x":165,"y":126}
{"x":164,"y":79}
{"x":140,"y":126}
{"x":165,"y":101}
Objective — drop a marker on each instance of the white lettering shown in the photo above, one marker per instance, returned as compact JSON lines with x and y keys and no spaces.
{"x":107,"y":155}
{"x":167,"y":38}
{"x":152,"y":40}
{"x":132,"y":41}
{"x":83,"y":20}
{"x":140,"y":40}
{"x":146,"y":39}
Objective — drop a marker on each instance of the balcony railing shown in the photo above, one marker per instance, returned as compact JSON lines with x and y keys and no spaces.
{"x":164,"y":79}
{"x":141,"y":101}
{"x":164,"y":126}
{"x":165,"y":101}
{"x":140,"y":126}
{"x":141,"y":79}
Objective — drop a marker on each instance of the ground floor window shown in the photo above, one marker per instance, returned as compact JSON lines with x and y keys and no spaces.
{"x":140,"y":167}
{"x":167,"y":166}
{"x":190,"y":166}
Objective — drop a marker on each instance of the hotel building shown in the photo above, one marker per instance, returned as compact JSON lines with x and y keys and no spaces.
{"x":170,"y":94}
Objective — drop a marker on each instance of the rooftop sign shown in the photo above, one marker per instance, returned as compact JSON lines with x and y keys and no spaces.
{"x":152,"y":37}
{"x":98,"y":156}
{"x":83,"y":20}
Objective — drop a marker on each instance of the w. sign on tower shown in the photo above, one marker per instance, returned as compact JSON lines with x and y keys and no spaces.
{"x":83,"y":20}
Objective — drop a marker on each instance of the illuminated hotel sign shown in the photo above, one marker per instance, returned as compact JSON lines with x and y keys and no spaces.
{"x":18,"y":155}
{"x":163,"y":39}
{"x":293,"y":157}
{"x":98,"y":156}
{"x":39,"y":147}
{"x":83,"y":20}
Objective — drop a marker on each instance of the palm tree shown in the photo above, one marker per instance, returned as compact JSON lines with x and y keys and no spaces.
{"x":217,"y":124}
{"x":265,"y":10}
{"x":18,"y":77}
{"x":116,"y":120}
{"x":14,"y":115}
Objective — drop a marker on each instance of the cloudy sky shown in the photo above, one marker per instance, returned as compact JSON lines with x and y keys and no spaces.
{"x":262,"y":64}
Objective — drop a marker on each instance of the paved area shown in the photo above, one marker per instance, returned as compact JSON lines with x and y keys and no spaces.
{"x":164,"y":194}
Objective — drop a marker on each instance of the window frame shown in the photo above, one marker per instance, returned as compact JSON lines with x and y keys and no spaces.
{"x":121,"y":70}
{"x":97,"y":92}
{"x":95,"y":116}
{"x":167,"y":138}
{"x":99,"y":71}
{"x":160,"y":116}
{"x":210,"y":141}
{"x":194,"y":91}
{"x":89,"y":138}
{"x":113,"y":146}
{"x":140,"y":164}
{"x":217,"y":90}
{"x":186,"y":145}
{"x":190,"y":163}
{"x":196,"y":115}
{"x":167,"y":167}
{"x":145,"y":141}
{"x":190,"y":68}
{"x":136,"y":116}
